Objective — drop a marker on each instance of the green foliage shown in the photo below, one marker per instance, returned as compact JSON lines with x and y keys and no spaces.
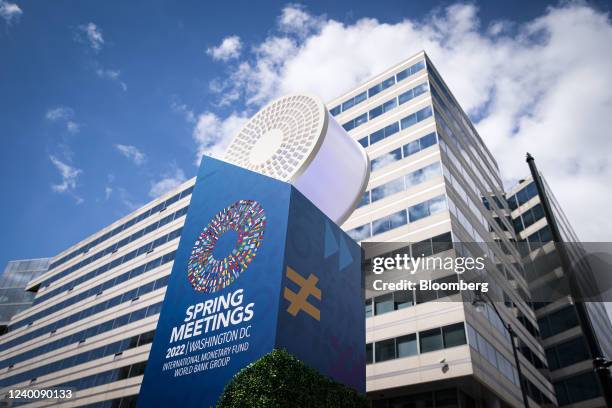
{"x":280,"y":380}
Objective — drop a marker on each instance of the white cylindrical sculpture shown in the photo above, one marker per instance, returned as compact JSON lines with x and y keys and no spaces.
{"x":295,"y":139}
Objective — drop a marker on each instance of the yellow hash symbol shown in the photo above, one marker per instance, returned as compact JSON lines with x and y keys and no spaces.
{"x":299,"y":301}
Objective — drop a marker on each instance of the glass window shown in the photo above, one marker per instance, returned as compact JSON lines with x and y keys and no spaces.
{"x":408,"y":121}
{"x":384,"y":350}
{"x":406,"y":346}
{"x":431,"y":340}
{"x":454,"y":335}
{"x":364,"y":141}
{"x":361,"y":119}
{"x":391,"y":129}
{"x":420,"y":89}
{"x":418,"y":211}
{"x":348,"y":104}
{"x":582,"y":387}
{"x":402,"y":74}
{"x":411,"y":148}
{"x":386,"y":159}
{"x":388,"y":82}
{"x":361,"y":97}
{"x":389,"y":222}
{"x":417,"y":67}
{"x":349,"y":125}
{"x":437,"y":204}
{"x":387,"y":189}
{"x":424,"y":113}
{"x":360,"y":233}
{"x":428,"y":140}
{"x":335,"y":110}
{"x":402,"y":299}
{"x":387,"y":106}
{"x":442,"y":242}
{"x":365,"y":199}
{"x":572,"y":352}
{"x":368,"y":308}
{"x":377,"y":111}
{"x":406,"y":96}
{"x":377,"y":136}
{"x":383,"y":304}
{"x":369,"y":353}
{"x":374,"y":90}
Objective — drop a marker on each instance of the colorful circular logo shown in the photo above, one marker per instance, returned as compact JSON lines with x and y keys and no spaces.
{"x":208,"y":274}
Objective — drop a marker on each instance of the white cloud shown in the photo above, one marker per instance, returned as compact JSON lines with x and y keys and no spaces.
{"x":228,"y":49}
{"x":69,"y":176}
{"x":295,"y":19}
{"x":542,"y":86}
{"x":169,"y":180}
{"x":108,"y":191}
{"x":113,"y":75}
{"x":73,"y":127}
{"x":213,"y":134}
{"x":64,"y":115}
{"x":59,"y":113}
{"x":132,"y":153}
{"x":94,"y":35}
{"x":9,"y":11}
{"x":183,"y":109}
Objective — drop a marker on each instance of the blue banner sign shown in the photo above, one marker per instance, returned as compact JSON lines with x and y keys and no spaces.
{"x":258,"y":267}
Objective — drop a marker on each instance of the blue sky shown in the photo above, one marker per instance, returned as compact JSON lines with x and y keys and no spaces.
{"x":105,"y":104}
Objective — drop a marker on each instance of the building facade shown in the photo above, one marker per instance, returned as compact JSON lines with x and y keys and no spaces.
{"x":13,"y":296}
{"x":95,"y":310}
{"x":568,"y":356}
{"x":430,"y":172}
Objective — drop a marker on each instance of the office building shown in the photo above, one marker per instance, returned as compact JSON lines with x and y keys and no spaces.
{"x":430,"y":172}
{"x":569,"y":360}
{"x":13,"y":297}
{"x":96,"y":309}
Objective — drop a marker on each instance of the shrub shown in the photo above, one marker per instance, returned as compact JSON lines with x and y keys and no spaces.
{"x":280,"y":380}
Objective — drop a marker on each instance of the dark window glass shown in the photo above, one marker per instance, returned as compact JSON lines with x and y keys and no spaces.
{"x":364,"y":141}
{"x":428,"y":140}
{"x":402,"y":299}
{"x":361,"y":97}
{"x":384,"y":350}
{"x":377,"y":111}
{"x":431,"y":340}
{"x":348,"y":104}
{"x":383,"y":304}
{"x":374,"y":90}
{"x":361,"y":119}
{"x":377,"y":136}
{"x":391,"y":129}
{"x":572,"y":352}
{"x":369,"y":353}
{"x":411,"y":148}
{"x":406,"y":346}
{"x":409,"y":121}
{"x":454,"y":335}
{"x":365,"y":199}
{"x":582,"y":387}
{"x":388,"y":82}
{"x":368,"y":308}
{"x":424,"y":113}
{"x":402,"y":74}
{"x":418,"y":211}
{"x":335,"y":111}
{"x":406,"y":96}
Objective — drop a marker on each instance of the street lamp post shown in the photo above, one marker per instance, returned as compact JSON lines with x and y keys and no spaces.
{"x":479,"y":300}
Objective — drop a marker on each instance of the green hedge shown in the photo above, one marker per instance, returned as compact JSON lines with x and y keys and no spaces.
{"x":280,"y":380}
